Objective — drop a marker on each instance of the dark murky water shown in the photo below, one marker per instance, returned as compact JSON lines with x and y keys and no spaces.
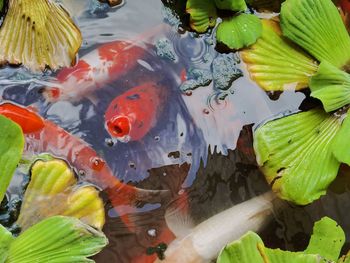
{"x":192,"y":148}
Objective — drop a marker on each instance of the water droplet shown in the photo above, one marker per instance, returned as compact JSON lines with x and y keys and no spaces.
{"x":132,"y":165}
{"x":152,"y":232}
{"x":188,"y":93}
{"x":109,"y":142}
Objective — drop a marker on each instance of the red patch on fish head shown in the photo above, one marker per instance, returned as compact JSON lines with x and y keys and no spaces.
{"x":119,"y":126}
{"x":134,"y":112}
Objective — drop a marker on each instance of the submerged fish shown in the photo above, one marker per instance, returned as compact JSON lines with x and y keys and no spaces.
{"x":102,"y":65}
{"x":99,"y":67}
{"x":202,"y":243}
{"x":132,"y":114}
{"x":43,"y":136}
{"x":345,"y":5}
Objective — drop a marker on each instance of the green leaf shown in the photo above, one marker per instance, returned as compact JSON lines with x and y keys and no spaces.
{"x":331,"y":86}
{"x":295,"y":154}
{"x":5,"y":240}
{"x":202,"y":14}
{"x":52,"y":191}
{"x":57,"y":239}
{"x":239,"y":31}
{"x":280,"y":256}
{"x":327,"y":239}
{"x":233,"y":5}
{"x":11,"y":148}
{"x":244,"y":250}
{"x":317,"y":27}
{"x":341,"y":142}
{"x":287,"y":67}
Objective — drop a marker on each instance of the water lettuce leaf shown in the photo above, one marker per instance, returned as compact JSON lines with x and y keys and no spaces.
{"x":331,"y":86}
{"x":239,"y":31}
{"x":287,"y":67}
{"x":57,"y":239}
{"x":233,"y":5}
{"x":203,"y":14}
{"x":317,"y":27}
{"x":5,"y":240}
{"x":324,"y":246}
{"x":11,"y":148}
{"x":295,"y":154}
{"x":52,"y":191}
{"x":327,"y":239}
{"x":38,"y":34}
{"x":341,"y":142}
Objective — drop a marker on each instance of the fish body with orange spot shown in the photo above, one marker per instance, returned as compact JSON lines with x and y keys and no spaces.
{"x":131,"y":115}
{"x":94,"y":70}
{"x":43,"y":136}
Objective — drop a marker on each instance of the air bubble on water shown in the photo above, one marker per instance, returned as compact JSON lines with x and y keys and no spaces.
{"x":81,"y":172}
{"x":132,"y":165}
{"x":165,"y":49}
{"x":206,"y":111}
{"x":164,"y":174}
{"x":109,"y":142}
{"x":181,"y":192}
{"x":152,"y":232}
{"x":170,"y":17}
{"x":225,"y":71}
{"x":157,"y":138}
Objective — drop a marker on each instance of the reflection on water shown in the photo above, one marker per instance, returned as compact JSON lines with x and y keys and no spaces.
{"x":191,"y":149}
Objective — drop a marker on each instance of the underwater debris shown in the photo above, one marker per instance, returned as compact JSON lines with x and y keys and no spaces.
{"x":38,"y":34}
{"x":324,"y":246}
{"x":52,"y":191}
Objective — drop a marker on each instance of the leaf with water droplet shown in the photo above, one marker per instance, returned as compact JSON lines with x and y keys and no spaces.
{"x":239,"y":31}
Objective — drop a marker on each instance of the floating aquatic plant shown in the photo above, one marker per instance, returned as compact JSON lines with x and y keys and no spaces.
{"x":295,"y":155}
{"x":38,"y":34}
{"x":52,"y":191}
{"x":56,"y":239}
{"x":300,"y":154}
{"x":241,"y":30}
{"x":324,"y":246}
{"x":331,"y":86}
{"x":277,"y":64}
{"x":11,"y":148}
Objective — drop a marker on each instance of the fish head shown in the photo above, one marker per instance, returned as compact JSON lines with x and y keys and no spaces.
{"x":119,"y":127}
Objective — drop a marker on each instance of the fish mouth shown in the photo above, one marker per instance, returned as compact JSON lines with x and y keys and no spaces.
{"x":119,"y":127}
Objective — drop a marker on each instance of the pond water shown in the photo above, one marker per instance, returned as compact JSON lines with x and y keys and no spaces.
{"x":191,"y":149}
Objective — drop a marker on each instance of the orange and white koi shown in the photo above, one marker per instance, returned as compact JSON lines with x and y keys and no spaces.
{"x":43,"y":136}
{"x":131,"y":115}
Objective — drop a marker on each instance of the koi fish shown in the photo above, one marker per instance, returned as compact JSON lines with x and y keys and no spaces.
{"x":203,"y":243}
{"x":131,"y":115}
{"x":102,"y":65}
{"x":43,"y":136}
{"x":99,"y":67}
